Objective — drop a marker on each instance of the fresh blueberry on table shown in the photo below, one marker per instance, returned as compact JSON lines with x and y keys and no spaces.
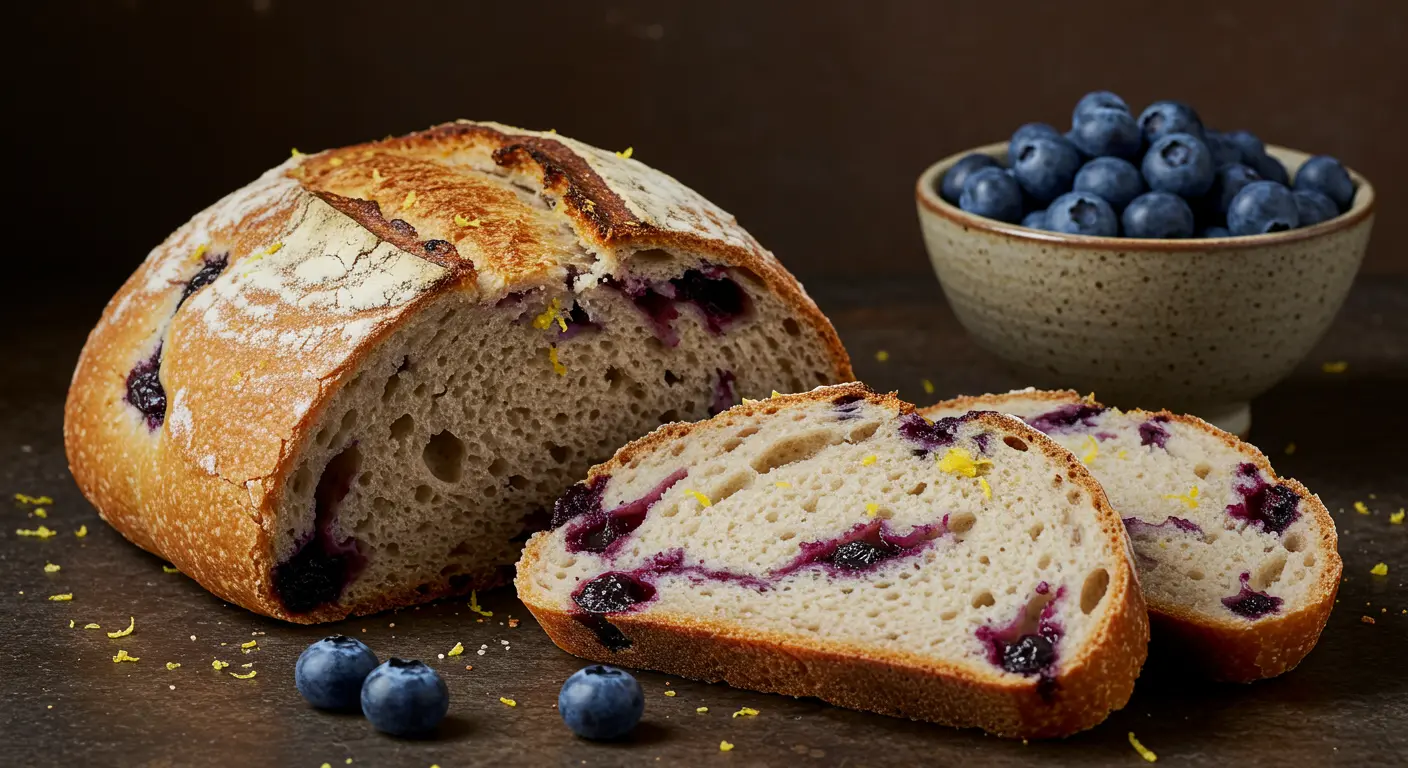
{"x":601,"y":702}
{"x":1223,"y":150}
{"x":1164,"y":117}
{"x":1325,"y":175}
{"x":329,"y":673}
{"x":952,"y":185}
{"x":1112,"y":178}
{"x":1226,"y":183}
{"x":1097,"y":100}
{"x":1035,"y":220}
{"x":1107,"y":131}
{"x":1045,"y":167}
{"x":405,"y":698}
{"x":1179,"y":163}
{"x":1157,"y":215}
{"x":1313,"y":207}
{"x":1082,"y":213}
{"x":1262,"y":207}
{"x":994,"y":193}
{"x":1026,"y":133}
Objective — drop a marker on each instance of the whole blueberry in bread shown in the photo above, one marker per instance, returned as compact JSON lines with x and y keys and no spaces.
{"x":360,"y":381}
{"x":836,"y":544}
{"x":1238,"y":565}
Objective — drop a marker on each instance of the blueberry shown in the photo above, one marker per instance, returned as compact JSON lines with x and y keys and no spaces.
{"x":1215,"y":232}
{"x":1082,"y":213}
{"x":1270,"y":169}
{"x":1158,"y":215}
{"x":994,"y":193}
{"x":1046,"y":167}
{"x":951,"y":187}
{"x":601,"y":702}
{"x":1096,"y":100}
{"x":1116,"y":180}
{"x":1313,"y":207}
{"x":145,"y":392}
{"x":1261,"y":207}
{"x":1226,"y":183}
{"x":1108,"y":131}
{"x":1325,"y":175}
{"x":612,"y":593}
{"x":1026,"y":133}
{"x":857,"y":555}
{"x":329,"y":673}
{"x":1164,"y":117}
{"x":1179,"y":163}
{"x":1222,"y":148}
{"x":405,"y":698}
{"x":1035,"y":220}
{"x":1246,"y":143}
{"x":1029,"y":655}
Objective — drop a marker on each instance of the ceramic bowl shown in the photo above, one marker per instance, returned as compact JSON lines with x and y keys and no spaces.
{"x":1197,"y":326}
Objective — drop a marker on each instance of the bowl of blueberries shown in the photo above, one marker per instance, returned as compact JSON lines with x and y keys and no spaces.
{"x":1146,"y":256}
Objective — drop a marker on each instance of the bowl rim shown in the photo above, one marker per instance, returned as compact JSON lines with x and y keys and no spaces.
{"x":927,"y":196}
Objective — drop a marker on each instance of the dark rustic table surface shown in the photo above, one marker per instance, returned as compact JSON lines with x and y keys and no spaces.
{"x":66,"y":703}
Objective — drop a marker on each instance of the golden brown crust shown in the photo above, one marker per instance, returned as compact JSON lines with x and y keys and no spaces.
{"x":1231,"y":649}
{"x":1098,"y":681}
{"x":249,"y":362}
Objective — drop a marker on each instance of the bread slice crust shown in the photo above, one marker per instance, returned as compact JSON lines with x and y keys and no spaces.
{"x":1227,"y":649}
{"x":449,"y":211}
{"x":1099,"y":680}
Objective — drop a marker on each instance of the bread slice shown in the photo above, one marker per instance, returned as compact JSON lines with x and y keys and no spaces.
{"x":835,"y":544}
{"x":361,"y":381}
{"x":1238,"y":565}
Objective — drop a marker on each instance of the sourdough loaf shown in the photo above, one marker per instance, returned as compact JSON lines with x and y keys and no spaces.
{"x":836,"y":544}
{"x":1238,"y":565}
{"x":360,"y":381}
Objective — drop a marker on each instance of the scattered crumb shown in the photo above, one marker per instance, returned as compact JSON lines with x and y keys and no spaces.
{"x":64,"y":598}
{"x":882,"y":356}
{"x":626,"y":153}
{"x":81,"y":532}
{"x":1367,"y":619}
{"x":246,"y":676}
{"x":702,"y":710}
{"x":172,"y":664}
{"x":1143,"y":751}
{"x":480,"y":651}
{"x":193,"y":638}
{"x":51,"y":568}
{"x":507,"y":702}
{"x":1338,"y":366}
{"x":746,"y":712}
{"x":724,"y":746}
{"x":513,"y":623}
{"x":469,"y":667}
{"x":669,"y":693}
{"x":1379,"y":570}
{"x":1290,"y":448}
{"x":457,"y":650}
{"x":42,"y":532}
{"x":474,"y":604}
{"x":1361,"y":508}
{"x":928,"y":386}
{"x":124,"y":656}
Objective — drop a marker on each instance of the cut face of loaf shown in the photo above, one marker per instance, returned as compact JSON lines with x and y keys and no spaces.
{"x":1239,"y":566}
{"x":836,"y":544}
{"x":361,"y":382}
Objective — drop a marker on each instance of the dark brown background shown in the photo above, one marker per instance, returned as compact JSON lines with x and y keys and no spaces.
{"x":809,"y":121}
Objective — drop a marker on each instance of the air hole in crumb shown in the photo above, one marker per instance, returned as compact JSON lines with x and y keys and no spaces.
{"x":301,"y":480}
{"x":1309,"y":559}
{"x":1073,"y":497}
{"x":983,"y":560}
{"x":863,"y":432}
{"x":788,"y":535}
{"x":1094,"y":590}
{"x":671,"y":379}
{"x":771,"y":516}
{"x":498,"y":468}
{"x":1077,"y":534}
{"x":669,"y":416}
{"x":983,"y":600}
{"x":1196,"y":574}
{"x":1057,"y":481}
{"x":917,"y":489}
{"x":961,"y":522}
{"x":365,"y":479}
{"x":1294,"y":542}
{"x":677,"y":448}
{"x":559,"y":453}
{"x":1269,"y":572}
{"x":1044,"y":561}
{"x":1015,"y":443}
{"x":793,"y":449}
{"x":731,"y":444}
{"x":403,"y":426}
{"x":423,"y":493}
{"x":790,"y":326}
{"x":1035,"y":531}
{"x":1202,"y":470}
{"x":518,"y":482}
{"x":735,"y":483}
{"x":444,"y":457}
{"x":948,"y":615}
{"x":614,"y":377}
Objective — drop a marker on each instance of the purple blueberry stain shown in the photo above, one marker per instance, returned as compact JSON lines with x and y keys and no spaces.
{"x":321,"y":565}
{"x":1152,"y":432}
{"x":603,"y":531}
{"x":725,"y":392}
{"x":930,"y":436}
{"x":579,"y":499}
{"x":1249,"y":603}
{"x":1023,"y":649}
{"x":848,"y":407}
{"x":862,"y":548}
{"x":709,"y":289}
{"x":1136,"y":527}
{"x":1067,"y":418}
{"x":1273,"y":507}
{"x":145,"y":392}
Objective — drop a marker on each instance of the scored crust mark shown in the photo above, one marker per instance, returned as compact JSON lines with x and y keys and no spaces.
{"x":398,"y":232}
{"x":1239,"y":566}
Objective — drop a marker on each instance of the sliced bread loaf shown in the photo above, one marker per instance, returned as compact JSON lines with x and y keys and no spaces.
{"x":360,"y":382}
{"x":1238,"y":565}
{"x":836,"y":544}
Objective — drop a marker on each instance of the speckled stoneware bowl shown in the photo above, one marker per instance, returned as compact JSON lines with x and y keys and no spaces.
{"x":1199,"y":326}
